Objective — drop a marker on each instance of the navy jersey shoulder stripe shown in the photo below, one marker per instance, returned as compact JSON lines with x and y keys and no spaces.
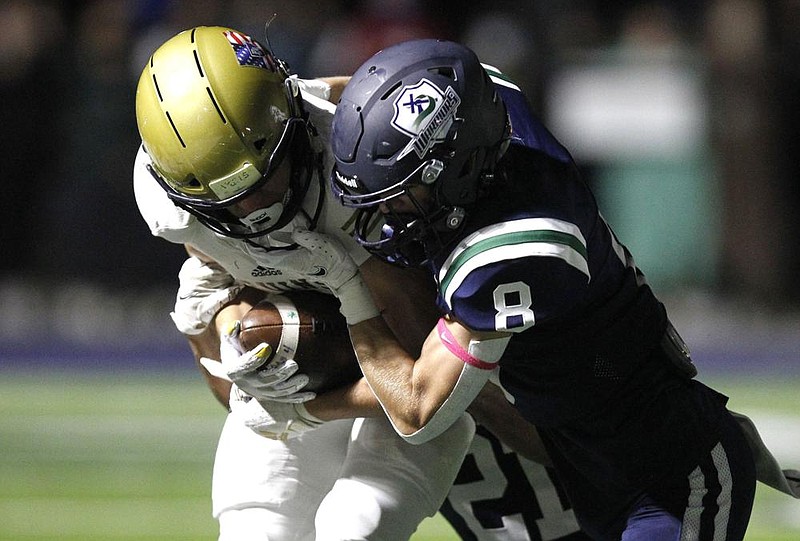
{"x":514,"y":239}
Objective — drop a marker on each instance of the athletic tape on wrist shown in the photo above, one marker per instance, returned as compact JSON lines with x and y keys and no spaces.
{"x":356,"y":304}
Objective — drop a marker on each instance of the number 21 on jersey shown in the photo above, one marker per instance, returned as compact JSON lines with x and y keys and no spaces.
{"x":499,"y":495}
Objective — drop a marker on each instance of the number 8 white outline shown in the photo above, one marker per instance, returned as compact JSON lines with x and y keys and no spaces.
{"x":505,"y":311}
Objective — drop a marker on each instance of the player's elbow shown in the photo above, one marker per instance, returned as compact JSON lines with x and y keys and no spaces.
{"x":411,"y":421}
{"x":414,"y":431}
{"x":419,"y":437}
{"x":462,"y":428}
{"x":418,"y":426}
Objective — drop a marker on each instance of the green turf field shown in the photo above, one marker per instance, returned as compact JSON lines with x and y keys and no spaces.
{"x":129,"y":458}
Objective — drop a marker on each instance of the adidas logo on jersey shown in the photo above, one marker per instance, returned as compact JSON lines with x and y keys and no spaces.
{"x":265,"y":271}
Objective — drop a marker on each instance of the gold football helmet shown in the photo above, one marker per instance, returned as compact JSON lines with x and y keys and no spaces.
{"x":218,"y":114}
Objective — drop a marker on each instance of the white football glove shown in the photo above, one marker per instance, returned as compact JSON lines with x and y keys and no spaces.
{"x":323,"y":260}
{"x":274,"y":420}
{"x":203,"y":290}
{"x":277,"y":380}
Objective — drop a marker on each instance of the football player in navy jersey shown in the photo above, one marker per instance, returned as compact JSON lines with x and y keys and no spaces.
{"x":537,"y":295}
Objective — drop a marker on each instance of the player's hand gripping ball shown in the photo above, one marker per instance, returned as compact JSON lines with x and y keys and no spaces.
{"x":307,"y":327}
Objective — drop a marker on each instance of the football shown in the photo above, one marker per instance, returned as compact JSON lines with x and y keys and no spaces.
{"x":305,"y":326}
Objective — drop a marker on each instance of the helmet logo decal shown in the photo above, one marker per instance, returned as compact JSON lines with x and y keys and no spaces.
{"x":425,"y":113}
{"x":249,"y":52}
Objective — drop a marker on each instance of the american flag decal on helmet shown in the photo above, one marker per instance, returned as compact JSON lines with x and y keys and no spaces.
{"x":249,"y":52}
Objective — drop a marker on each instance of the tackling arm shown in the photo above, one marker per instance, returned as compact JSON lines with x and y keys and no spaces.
{"x":423,"y":397}
{"x":406,"y":299}
{"x":398,"y":294}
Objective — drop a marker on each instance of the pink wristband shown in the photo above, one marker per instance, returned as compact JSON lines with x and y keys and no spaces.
{"x":455,"y":348}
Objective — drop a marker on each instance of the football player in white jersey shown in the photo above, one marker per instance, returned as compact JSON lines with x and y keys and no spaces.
{"x":233,"y":166}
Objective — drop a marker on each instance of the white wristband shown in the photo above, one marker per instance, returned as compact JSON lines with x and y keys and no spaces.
{"x":356,"y":301}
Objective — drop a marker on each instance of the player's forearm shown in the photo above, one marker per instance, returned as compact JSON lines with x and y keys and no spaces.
{"x":390,"y":372}
{"x":406,"y":299}
{"x":347,"y":402}
{"x":202,"y":345}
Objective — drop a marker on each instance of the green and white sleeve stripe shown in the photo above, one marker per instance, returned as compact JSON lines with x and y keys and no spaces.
{"x":512,"y":240}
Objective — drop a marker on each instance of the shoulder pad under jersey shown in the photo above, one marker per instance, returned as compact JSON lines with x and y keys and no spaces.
{"x":161,"y":215}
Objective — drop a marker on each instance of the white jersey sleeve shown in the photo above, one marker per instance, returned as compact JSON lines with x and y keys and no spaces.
{"x":162,"y":217}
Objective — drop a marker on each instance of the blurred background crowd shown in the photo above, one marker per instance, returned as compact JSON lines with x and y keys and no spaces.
{"x":683,"y":113}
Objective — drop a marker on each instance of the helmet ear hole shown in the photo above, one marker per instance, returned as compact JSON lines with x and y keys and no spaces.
{"x":443,"y":71}
{"x":386,"y":95}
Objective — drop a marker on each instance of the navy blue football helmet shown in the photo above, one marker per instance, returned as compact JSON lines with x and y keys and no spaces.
{"x":422,"y":112}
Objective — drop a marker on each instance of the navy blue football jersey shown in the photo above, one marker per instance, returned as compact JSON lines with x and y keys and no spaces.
{"x":585,"y":362}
